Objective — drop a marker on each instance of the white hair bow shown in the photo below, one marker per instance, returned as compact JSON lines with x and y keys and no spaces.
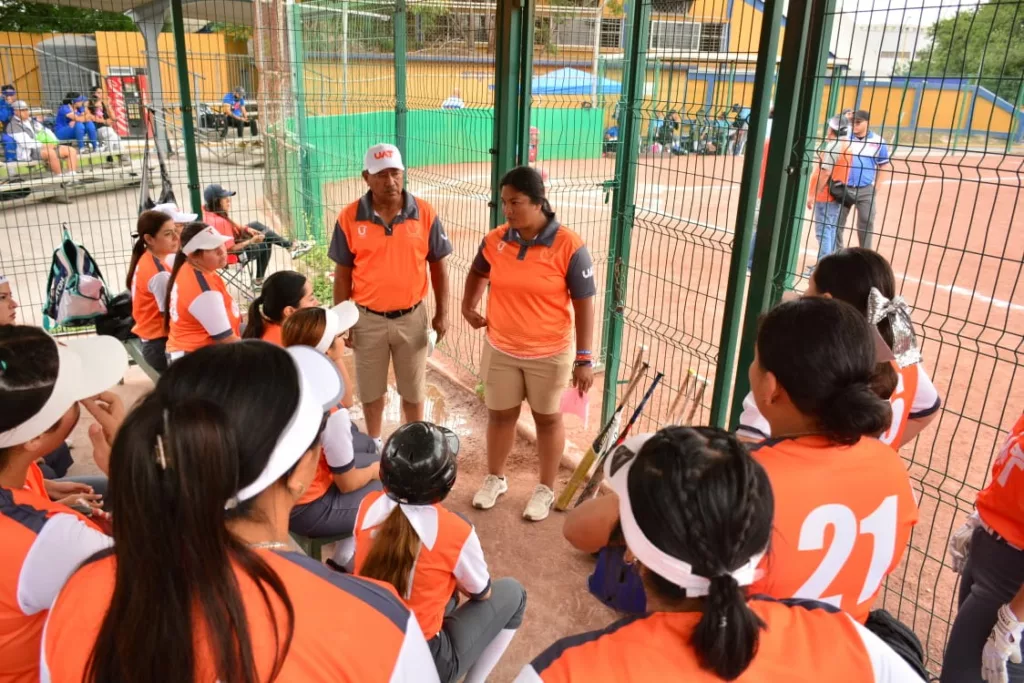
{"x":897,"y":311}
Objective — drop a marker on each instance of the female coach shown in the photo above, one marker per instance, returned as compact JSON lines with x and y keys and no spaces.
{"x":203,"y":478}
{"x":199,"y":309}
{"x":284,"y":293}
{"x":148,"y":274}
{"x":536,"y":268}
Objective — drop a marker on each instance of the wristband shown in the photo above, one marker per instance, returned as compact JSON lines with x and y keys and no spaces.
{"x":582,"y":364}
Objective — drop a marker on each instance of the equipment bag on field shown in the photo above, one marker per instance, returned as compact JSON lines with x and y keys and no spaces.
{"x":75,"y":292}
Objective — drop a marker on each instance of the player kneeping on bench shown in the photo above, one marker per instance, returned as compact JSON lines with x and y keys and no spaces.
{"x":864,"y":279}
{"x":404,"y":536}
{"x":349,"y":463}
{"x":845,"y":507}
{"x":696,"y":514}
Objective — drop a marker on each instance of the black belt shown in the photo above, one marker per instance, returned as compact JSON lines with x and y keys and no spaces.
{"x":391,"y":315}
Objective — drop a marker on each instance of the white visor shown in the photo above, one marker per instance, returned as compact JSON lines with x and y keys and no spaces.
{"x":175,"y":215}
{"x":3,"y":279}
{"x":86,"y":366}
{"x":320,"y":389}
{"x":661,"y":563}
{"x":208,"y":238}
{"x":339,"y":319}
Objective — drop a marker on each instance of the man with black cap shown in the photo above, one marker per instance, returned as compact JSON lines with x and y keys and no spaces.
{"x":869,"y":157}
{"x":236,"y":115}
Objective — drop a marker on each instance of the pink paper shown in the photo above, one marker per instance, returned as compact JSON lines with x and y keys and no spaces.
{"x":574,"y":404}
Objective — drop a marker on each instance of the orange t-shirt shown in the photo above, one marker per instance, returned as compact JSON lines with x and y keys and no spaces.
{"x":149,"y":287}
{"x":388,"y":262}
{"x":1001,"y":503}
{"x":36,"y":481}
{"x":532,"y":285}
{"x":843,"y":516}
{"x":804,"y":641}
{"x":272,"y":333}
{"x":346,"y":628}
{"x":202,"y":311}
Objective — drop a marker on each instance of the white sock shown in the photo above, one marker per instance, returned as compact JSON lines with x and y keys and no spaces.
{"x":380,"y":443}
{"x":489,"y":658}
{"x":344,"y":552}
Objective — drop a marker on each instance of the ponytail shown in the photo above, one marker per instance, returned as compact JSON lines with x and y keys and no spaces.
{"x":149,"y":223}
{"x":727,"y":635}
{"x":255,"y":326}
{"x":138,"y":251}
{"x":284,"y":289}
{"x":393,"y":555}
{"x":190,"y":231}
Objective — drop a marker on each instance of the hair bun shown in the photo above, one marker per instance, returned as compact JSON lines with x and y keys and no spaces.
{"x":855,"y":411}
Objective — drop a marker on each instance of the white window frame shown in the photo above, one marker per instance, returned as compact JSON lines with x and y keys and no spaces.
{"x":658,"y":28}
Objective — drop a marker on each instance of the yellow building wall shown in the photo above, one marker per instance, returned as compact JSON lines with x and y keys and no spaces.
{"x":19,"y":65}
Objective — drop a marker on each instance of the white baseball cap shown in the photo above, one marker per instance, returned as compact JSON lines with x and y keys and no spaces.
{"x":320,"y":389}
{"x":85,"y":367}
{"x":339,"y":319}
{"x":208,"y":238}
{"x":382,"y":157}
{"x":176,"y":215}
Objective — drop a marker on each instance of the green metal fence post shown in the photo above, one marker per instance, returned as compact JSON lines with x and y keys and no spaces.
{"x":746,"y":209}
{"x":309,"y":220}
{"x":399,"y":20}
{"x":786,"y":126}
{"x":634,"y":74}
{"x":509,"y":107}
{"x":1015,"y":120}
{"x":187,"y":119}
{"x":525,"y":92}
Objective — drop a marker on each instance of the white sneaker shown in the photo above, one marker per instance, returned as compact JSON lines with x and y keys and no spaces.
{"x":488,"y":494}
{"x":302,"y":248}
{"x":540,"y":504}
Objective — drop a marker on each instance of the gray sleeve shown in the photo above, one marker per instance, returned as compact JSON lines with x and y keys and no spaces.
{"x":580,"y":275}
{"x":480,"y":263}
{"x":339,"y":251}
{"x":438,"y":242}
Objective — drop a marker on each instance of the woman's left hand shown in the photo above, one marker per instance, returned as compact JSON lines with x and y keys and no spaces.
{"x":583,"y":378}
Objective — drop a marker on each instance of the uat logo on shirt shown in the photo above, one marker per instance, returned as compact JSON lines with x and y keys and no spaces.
{"x":382,"y":154}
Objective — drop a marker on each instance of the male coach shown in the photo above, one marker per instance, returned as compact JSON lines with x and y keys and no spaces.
{"x":868,"y":158}
{"x":382,"y":246}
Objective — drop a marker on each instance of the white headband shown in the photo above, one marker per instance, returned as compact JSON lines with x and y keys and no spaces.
{"x":3,"y":279}
{"x":85,"y":367}
{"x":339,"y":319}
{"x":423,"y":518}
{"x":661,"y":563}
{"x":208,"y":238}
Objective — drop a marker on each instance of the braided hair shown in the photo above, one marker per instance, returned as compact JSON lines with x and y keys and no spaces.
{"x":698,"y":496}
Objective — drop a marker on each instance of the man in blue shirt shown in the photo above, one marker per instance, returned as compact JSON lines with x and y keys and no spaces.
{"x":7,"y":98}
{"x":236,"y":115}
{"x":869,"y":159}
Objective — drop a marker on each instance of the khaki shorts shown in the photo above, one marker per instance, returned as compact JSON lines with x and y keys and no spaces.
{"x":378,"y":341}
{"x":541,"y":381}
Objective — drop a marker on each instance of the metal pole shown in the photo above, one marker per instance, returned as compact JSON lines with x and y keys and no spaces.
{"x":399,"y":19}
{"x":634,"y":72}
{"x":508,"y":127}
{"x":597,"y":52}
{"x":344,"y":57}
{"x":187,"y":118}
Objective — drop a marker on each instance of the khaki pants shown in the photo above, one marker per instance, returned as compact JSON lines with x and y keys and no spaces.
{"x":541,"y":381}
{"x":378,"y":341}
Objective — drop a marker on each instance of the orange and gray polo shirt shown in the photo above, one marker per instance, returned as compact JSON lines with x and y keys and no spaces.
{"x":532,"y":282}
{"x":388,"y":262}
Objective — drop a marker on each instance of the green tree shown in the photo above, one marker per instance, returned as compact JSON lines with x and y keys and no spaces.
{"x":987,"y":39}
{"x":39,"y":17}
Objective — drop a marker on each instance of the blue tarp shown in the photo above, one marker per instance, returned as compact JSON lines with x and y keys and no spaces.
{"x":572,"y":82}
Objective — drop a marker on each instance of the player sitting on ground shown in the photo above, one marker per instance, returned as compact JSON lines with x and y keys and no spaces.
{"x":404,"y":536}
{"x":696,"y":515}
{"x":202,"y":583}
{"x":864,"y":279}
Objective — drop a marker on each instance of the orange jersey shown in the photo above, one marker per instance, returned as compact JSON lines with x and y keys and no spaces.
{"x":202,"y":311}
{"x":843,"y":516}
{"x":532,"y":285}
{"x":36,"y":481}
{"x":388,"y":262}
{"x":454,"y":560}
{"x":149,"y":289}
{"x":804,"y":642}
{"x":272,"y":334}
{"x":43,"y":543}
{"x":346,"y":629}
{"x":1001,"y":503}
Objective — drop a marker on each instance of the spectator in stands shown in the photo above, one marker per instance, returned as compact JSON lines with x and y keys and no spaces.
{"x":407,"y":538}
{"x":253,"y":240}
{"x":25,"y":130}
{"x":284,"y":293}
{"x":148,"y":274}
{"x":204,"y":582}
{"x":8,"y":95}
{"x":540,"y":326}
{"x":235,"y":114}
{"x":696,"y":512}
{"x":611,"y":141}
{"x":868,"y":160}
{"x":199,"y":311}
{"x":74,"y":122}
{"x":454,"y":101}
{"x":43,"y":387}
{"x":101,"y":116}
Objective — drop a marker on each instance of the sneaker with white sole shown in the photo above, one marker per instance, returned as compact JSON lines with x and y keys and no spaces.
{"x":302,"y":248}
{"x":488,"y":494}
{"x":540,"y":504}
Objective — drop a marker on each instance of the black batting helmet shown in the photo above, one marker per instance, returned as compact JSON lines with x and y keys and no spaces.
{"x":419,"y":463}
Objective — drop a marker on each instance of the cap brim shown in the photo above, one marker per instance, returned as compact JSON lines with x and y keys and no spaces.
{"x":320,"y":389}
{"x":341,"y":318}
{"x":184,"y":217}
{"x":204,"y":240}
